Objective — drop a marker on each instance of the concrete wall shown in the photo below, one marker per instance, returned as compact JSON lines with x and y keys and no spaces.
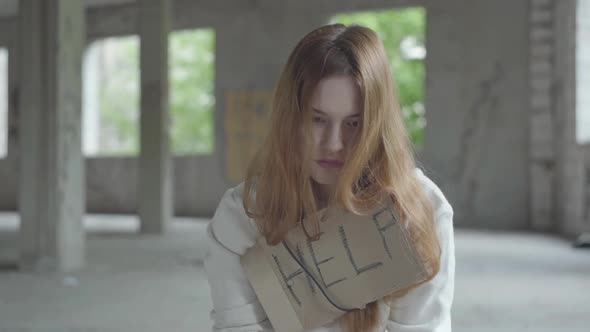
{"x":476,"y":99}
{"x":583,"y":99}
{"x":476,"y":102}
{"x":570,"y":168}
{"x":587,"y":200}
{"x":583,"y":72}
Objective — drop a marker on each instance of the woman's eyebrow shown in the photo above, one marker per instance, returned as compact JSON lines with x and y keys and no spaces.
{"x":324,"y":113}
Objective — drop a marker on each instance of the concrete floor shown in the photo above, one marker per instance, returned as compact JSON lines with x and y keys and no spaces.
{"x":505,"y":282}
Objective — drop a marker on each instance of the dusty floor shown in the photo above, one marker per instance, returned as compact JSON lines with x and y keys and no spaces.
{"x":505,"y":282}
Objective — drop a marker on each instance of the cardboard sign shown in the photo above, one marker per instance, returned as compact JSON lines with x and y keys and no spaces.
{"x":357,"y":260}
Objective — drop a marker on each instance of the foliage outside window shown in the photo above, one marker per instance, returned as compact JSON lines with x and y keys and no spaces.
{"x":402,"y":32}
{"x":191,"y":59}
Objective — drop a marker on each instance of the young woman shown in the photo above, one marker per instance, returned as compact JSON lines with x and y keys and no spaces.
{"x":336,"y":138}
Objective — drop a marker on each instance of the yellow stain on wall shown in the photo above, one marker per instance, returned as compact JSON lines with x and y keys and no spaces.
{"x":246,"y":120}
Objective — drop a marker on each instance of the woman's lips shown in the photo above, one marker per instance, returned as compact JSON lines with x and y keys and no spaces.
{"x":330,"y":163}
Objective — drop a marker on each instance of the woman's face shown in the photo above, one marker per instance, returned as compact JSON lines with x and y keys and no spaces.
{"x":336,"y":107}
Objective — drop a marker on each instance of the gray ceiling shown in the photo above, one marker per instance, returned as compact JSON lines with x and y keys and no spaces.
{"x":10,"y":7}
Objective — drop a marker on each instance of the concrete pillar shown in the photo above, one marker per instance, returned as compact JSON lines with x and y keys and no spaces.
{"x":51,"y":198}
{"x":3,"y":99}
{"x":583,"y":73}
{"x":570,"y":175}
{"x":12,"y":127}
{"x":155,"y":171}
{"x":541,"y":117}
{"x":583,"y":98}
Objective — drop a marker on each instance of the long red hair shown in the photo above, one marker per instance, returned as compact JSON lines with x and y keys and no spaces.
{"x":278,"y":188}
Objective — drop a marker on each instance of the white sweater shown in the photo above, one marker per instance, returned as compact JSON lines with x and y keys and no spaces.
{"x":236,"y":308}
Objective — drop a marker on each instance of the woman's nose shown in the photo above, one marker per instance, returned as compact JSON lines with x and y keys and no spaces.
{"x":334,"y":141}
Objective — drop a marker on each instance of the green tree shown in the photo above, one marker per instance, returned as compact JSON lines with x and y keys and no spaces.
{"x":394,"y":27}
{"x":192,"y":100}
{"x":119,"y":96}
{"x":192,"y":81}
{"x":191,"y":93}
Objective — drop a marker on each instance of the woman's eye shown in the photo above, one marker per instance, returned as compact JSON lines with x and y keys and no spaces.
{"x":318,"y":119}
{"x":353,"y":123}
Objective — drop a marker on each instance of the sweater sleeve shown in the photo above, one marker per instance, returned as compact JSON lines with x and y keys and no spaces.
{"x":229,"y":234}
{"x":428,"y":307}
